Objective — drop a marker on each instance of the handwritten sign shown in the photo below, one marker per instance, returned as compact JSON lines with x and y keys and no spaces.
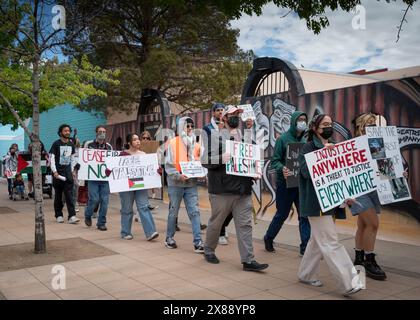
{"x":248,"y":112}
{"x":408,"y":136}
{"x":385,"y":149}
{"x":245,"y":159}
{"x":92,"y":163}
{"x":292,"y":163}
{"x":344,"y":172}
{"x":193,"y":169}
{"x":131,"y":173}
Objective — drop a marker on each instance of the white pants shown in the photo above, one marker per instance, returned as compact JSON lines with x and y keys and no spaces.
{"x":324,"y":243}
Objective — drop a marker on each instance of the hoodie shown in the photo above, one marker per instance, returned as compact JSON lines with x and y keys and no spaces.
{"x":188,"y":143}
{"x":280,"y":148}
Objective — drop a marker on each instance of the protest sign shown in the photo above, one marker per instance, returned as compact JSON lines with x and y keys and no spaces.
{"x":130,"y":173}
{"x":248,"y":112}
{"x":344,"y":172}
{"x":149,"y":146}
{"x":193,"y":169}
{"x":245,"y":159}
{"x":292,"y":163}
{"x":385,"y":149}
{"x":92,"y":163}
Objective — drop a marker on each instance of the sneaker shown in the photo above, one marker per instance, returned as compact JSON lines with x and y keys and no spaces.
{"x":199,"y":248}
{"x":151,"y":207}
{"x":254,"y":266}
{"x":74,"y":220}
{"x":153,"y":236}
{"x":314,"y":283}
{"x":102,"y":228}
{"x":77,"y":210}
{"x":60,"y":219}
{"x":223,"y":240}
{"x":269,"y":245}
{"x":95,"y":215}
{"x":211,"y":258}
{"x":353,"y":291}
{"x":203,"y":226}
{"x":88,"y":221}
{"x":128,"y":237}
{"x":170,"y":243}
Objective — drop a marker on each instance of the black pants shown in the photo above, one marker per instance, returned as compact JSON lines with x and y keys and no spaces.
{"x":225,"y":224}
{"x":65,"y":187}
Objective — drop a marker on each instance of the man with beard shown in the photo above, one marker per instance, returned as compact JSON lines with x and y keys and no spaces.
{"x":62,"y":165}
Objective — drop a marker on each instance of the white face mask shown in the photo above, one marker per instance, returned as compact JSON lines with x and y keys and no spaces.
{"x":301,"y":126}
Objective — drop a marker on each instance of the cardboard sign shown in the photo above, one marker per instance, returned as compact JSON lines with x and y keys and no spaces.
{"x":92,"y":163}
{"x":193,"y":169}
{"x":385,"y":149}
{"x":149,"y":146}
{"x":131,"y":173}
{"x":344,"y":172}
{"x":292,"y":163}
{"x":245,"y":159}
{"x":248,"y":112}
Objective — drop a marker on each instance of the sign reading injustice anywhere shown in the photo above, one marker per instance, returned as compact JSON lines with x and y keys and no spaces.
{"x":292,"y":163}
{"x":193,"y":169}
{"x":385,"y":149}
{"x":245,"y":159}
{"x":92,"y":163}
{"x":344,"y":172}
{"x":130,"y":173}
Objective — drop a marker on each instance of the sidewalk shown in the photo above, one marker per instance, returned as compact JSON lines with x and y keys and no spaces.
{"x":139,"y":269}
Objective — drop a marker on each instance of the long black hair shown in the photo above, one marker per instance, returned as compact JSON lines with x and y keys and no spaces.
{"x":129,"y":140}
{"x":314,"y":125}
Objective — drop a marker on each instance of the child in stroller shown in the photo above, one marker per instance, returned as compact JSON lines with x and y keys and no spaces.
{"x":19,"y":188}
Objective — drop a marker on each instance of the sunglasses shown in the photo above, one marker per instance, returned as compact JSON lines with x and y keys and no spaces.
{"x":146,"y":138}
{"x":190,"y":126}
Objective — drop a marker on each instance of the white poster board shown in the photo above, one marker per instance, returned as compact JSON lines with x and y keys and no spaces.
{"x":245,"y":159}
{"x":385,"y":149}
{"x":344,"y":172}
{"x":130,"y":173}
{"x":193,"y":169}
{"x":248,"y":112}
{"x":92,"y":163}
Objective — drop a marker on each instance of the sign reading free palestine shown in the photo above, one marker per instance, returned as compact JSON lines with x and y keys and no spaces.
{"x":344,"y":172}
{"x":245,"y":159}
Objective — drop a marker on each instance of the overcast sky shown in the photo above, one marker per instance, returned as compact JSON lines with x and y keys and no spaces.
{"x":339,"y":47}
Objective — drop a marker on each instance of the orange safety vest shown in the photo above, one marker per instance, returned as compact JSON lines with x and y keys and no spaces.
{"x":179,"y":150}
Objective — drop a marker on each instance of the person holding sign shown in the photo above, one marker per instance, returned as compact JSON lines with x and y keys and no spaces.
{"x":323,"y":242}
{"x":285,"y":197}
{"x":98,"y":190}
{"x":141,"y":198}
{"x":366,"y":208}
{"x":183,"y":148}
{"x":229,"y":193}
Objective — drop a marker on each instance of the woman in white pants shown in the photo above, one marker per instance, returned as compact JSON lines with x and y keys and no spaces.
{"x":324,"y":241}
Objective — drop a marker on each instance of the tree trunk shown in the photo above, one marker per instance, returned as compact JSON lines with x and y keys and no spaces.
{"x":40,"y":244}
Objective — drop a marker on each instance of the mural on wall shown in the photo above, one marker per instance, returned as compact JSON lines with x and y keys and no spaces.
{"x":398,"y":101}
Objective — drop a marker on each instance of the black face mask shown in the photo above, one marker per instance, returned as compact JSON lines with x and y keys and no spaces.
{"x":233,"y":122}
{"x":327,"y":132}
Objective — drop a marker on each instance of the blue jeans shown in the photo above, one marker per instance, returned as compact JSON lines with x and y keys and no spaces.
{"x":142,"y":202}
{"x":285,"y":197}
{"x":98,"y":194}
{"x":20,"y":189}
{"x":190,"y":196}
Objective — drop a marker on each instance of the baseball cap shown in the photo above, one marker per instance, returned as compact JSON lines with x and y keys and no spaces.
{"x":218,"y":105}
{"x":231,"y":109}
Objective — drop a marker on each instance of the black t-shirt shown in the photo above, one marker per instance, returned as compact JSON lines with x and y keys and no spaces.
{"x":62,"y":154}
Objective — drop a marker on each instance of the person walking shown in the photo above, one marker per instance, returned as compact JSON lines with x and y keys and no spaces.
{"x":229,"y":194}
{"x":323,"y":242}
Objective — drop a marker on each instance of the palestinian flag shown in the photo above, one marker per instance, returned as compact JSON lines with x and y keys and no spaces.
{"x":25,"y":163}
{"x":135,"y":183}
